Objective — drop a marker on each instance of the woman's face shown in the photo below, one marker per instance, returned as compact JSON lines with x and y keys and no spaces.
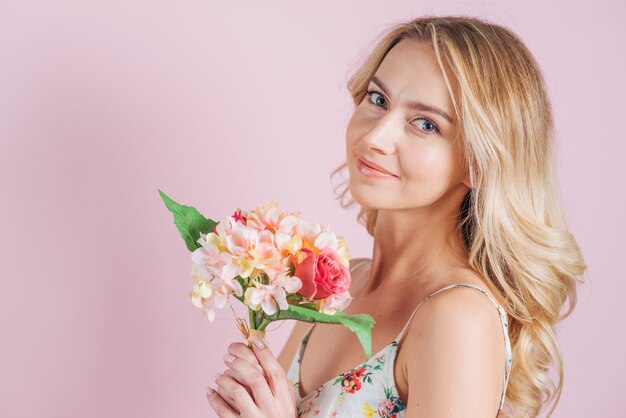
{"x":400,"y":126}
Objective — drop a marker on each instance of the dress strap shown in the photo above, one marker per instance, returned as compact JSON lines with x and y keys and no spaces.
{"x":359,"y":264}
{"x":399,"y":337}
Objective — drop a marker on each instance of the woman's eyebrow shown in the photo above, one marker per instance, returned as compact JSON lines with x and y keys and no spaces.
{"x":413,"y":104}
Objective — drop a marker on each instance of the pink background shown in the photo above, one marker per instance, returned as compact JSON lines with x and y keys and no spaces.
{"x":225,"y":105}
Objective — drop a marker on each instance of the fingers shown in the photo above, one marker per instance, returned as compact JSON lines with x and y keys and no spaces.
{"x":274,"y":372}
{"x":231,"y":373}
{"x":241,"y":350}
{"x":244,"y":402}
{"x":228,"y":397}
{"x":251,"y":378}
{"x":219,"y":405}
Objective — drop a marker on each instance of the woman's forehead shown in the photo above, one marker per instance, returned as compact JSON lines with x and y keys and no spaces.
{"x":410,"y":74}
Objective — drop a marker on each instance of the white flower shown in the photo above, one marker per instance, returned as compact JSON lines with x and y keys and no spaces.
{"x":290,"y":283}
{"x":266,"y":296}
{"x":334,"y":303}
{"x":207,"y":259}
{"x":201,"y":296}
{"x":227,"y":285}
{"x":327,"y":240}
{"x":308,"y":230}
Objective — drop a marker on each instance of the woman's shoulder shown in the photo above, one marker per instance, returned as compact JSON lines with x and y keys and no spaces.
{"x":452,"y":301}
{"x":449,"y":329}
{"x":455,"y":302}
{"x":466,"y":276}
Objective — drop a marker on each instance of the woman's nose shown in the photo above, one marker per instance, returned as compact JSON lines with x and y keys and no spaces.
{"x":384,"y":132}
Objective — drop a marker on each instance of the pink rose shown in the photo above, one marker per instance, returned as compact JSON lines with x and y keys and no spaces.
{"x":305,"y":271}
{"x":322,"y":275}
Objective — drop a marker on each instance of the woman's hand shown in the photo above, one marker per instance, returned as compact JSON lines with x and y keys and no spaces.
{"x":254,"y":386}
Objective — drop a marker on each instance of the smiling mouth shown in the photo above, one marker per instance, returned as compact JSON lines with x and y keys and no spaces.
{"x":370,"y":171}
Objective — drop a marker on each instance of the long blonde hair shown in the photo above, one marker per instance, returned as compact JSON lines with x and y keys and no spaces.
{"x":511,"y":220}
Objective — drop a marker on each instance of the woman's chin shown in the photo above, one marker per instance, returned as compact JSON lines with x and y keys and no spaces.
{"x":365,"y":195}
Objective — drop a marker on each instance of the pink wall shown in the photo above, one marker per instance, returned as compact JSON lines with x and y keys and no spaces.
{"x":218,"y":104}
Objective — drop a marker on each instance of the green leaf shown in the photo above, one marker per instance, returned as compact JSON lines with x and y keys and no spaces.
{"x":360,"y":324}
{"x":189,"y":221}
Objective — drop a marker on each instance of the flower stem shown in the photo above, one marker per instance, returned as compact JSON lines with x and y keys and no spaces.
{"x":264,"y":324}
{"x":252,"y":323}
{"x":252,"y":318}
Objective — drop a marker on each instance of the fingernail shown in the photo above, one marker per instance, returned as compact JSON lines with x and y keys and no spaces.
{"x":217,"y":376}
{"x":259,"y":368}
{"x":257,"y":341}
{"x":209,"y":391}
{"x":228,"y":358}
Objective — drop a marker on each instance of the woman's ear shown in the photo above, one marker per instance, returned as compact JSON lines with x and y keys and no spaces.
{"x":466,"y":181}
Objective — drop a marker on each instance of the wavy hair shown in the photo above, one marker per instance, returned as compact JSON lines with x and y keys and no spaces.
{"x":511,"y":220}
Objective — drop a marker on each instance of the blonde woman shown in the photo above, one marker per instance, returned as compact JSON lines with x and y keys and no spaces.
{"x":449,"y":154}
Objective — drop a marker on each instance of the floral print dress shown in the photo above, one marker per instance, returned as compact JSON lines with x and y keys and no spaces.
{"x":368,"y":390}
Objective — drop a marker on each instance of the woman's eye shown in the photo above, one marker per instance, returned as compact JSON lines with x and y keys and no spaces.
{"x":429,"y":125}
{"x":378,"y":98}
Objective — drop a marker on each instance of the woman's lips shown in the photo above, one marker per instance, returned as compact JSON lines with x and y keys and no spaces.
{"x":370,"y":171}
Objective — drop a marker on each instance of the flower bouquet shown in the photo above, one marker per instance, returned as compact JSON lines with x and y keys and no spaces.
{"x":279,"y":265}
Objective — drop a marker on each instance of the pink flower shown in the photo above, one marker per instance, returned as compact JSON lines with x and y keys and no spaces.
{"x":305,"y":271}
{"x":239,"y":216}
{"x":266,"y":297}
{"x":208,"y":259}
{"x":322,"y":275}
{"x":385,"y":407}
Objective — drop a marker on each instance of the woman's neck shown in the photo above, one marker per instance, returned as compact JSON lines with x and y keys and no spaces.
{"x":414,"y":253}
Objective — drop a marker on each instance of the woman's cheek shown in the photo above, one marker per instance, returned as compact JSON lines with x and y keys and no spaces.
{"x":426,"y":162}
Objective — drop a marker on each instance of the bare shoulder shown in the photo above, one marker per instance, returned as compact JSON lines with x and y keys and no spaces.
{"x":456,"y":307}
{"x":454,"y":341}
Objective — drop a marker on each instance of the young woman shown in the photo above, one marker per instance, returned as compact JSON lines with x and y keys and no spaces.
{"x":449,"y":156}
